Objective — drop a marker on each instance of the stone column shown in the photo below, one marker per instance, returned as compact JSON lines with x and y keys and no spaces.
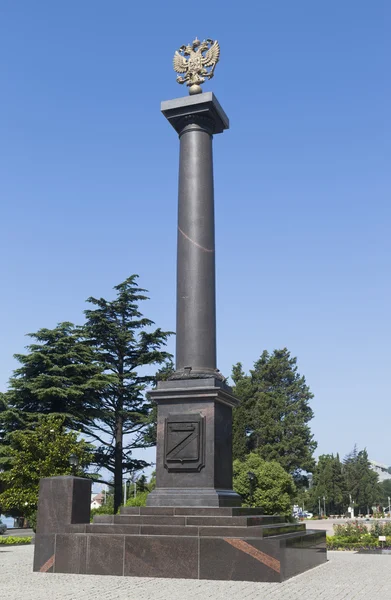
{"x":196,"y":119}
{"x":194,"y":432}
{"x":196,"y":310}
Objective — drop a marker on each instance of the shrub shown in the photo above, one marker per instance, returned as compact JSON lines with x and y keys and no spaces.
{"x":139,"y":500}
{"x":12,"y":540}
{"x":3,"y":528}
{"x":32,"y":521}
{"x":105,"y":509}
{"x":346,"y":543}
{"x":353,"y":531}
{"x":272,"y":488}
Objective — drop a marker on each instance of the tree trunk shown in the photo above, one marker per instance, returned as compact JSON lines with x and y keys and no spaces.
{"x":118,"y":463}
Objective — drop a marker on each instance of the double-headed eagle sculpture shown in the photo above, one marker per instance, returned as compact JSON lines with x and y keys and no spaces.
{"x":202,"y":61}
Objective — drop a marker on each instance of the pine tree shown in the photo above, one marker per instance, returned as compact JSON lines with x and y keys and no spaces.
{"x":362,"y":483}
{"x":329,"y":482}
{"x":275,"y":410}
{"x":124,"y":346}
{"x":95,"y":375}
{"x":58,"y":376}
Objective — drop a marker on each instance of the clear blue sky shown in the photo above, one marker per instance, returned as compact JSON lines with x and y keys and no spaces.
{"x":88,"y":182}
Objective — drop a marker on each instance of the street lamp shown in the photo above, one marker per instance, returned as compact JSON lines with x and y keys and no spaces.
{"x":74,"y":462}
{"x":324,"y":505}
{"x":320,"y":510}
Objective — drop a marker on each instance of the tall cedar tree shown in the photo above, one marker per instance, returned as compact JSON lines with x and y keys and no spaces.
{"x":362,"y":483}
{"x":329,"y":482}
{"x":124,"y":346}
{"x":58,"y":376}
{"x":274,"y":413}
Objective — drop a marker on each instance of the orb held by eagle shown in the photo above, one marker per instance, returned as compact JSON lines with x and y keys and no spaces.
{"x":196,"y":62}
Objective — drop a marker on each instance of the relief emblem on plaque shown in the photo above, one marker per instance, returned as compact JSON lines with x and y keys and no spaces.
{"x":184,"y":448}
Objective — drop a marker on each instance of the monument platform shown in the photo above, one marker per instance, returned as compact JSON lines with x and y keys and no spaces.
{"x":229,"y":543}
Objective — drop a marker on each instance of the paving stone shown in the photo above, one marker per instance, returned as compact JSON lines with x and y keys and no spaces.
{"x":346,"y":576}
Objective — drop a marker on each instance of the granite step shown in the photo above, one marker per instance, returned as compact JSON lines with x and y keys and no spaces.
{"x":196,"y":511}
{"x":230,"y":531}
{"x":209,"y":521}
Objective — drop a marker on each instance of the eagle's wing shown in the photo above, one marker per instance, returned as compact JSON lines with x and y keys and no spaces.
{"x":180,"y":63}
{"x":212,"y":56}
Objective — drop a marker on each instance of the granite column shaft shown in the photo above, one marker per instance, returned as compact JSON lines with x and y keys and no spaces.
{"x":196,"y":303}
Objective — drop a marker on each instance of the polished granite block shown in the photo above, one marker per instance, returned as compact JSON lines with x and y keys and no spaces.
{"x":148,"y":520}
{"x":109,"y":519}
{"x":108,"y":528}
{"x":225,"y":553}
{"x":44,"y":552}
{"x":105,"y":554}
{"x":62,"y":501}
{"x":169,"y":530}
{"x":239,"y":560}
{"x":71,"y":553}
{"x":162,"y":556}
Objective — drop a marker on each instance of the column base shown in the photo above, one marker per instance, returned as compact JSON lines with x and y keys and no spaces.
{"x":188,"y":497}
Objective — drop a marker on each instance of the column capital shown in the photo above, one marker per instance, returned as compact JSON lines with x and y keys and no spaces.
{"x":201,"y":107}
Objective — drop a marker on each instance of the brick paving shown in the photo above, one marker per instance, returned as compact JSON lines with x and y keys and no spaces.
{"x":346,"y":576}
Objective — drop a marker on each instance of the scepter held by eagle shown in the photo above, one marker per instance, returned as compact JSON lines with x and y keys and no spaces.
{"x":200,"y":64}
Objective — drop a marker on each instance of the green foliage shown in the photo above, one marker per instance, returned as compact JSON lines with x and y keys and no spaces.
{"x":141,"y":484}
{"x":58,"y":376}
{"x":152,"y":481}
{"x":139,"y":500}
{"x":343,"y":543}
{"x":357,"y":535}
{"x":353,"y":531}
{"x":96,"y":377}
{"x":105,"y":509}
{"x":124,"y":345}
{"x":361,"y":482}
{"x":273,"y":489}
{"x":14,"y":540}
{"x":240,"y":415}
{"x":42,"y":451}
{"x":329,"y":481}
{"x":385,"y":491}
{"x":341,"y":482}
{"x":274,"y":413}
{"x":32,"y":521}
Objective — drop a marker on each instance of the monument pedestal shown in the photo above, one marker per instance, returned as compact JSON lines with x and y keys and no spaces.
{"x":188,"y":543}
{"x":194,"y":444}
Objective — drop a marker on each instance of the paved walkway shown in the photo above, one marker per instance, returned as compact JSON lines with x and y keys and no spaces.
{"x":347,"y":576}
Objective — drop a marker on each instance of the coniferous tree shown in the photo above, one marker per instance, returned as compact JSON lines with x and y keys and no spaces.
{"x":95,"y":375}
{"x":58,"y":376}
{"x":124,"y":346}
{"x":362,"y":483}
{"x":275,"y":411}
{"x":329,"y":483}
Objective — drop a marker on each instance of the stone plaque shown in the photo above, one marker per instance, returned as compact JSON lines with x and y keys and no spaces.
{"x":184,"y":442}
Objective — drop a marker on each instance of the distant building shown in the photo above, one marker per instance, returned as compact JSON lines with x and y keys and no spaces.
{"x":382,"y":470}
{"x":97,"y":500}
